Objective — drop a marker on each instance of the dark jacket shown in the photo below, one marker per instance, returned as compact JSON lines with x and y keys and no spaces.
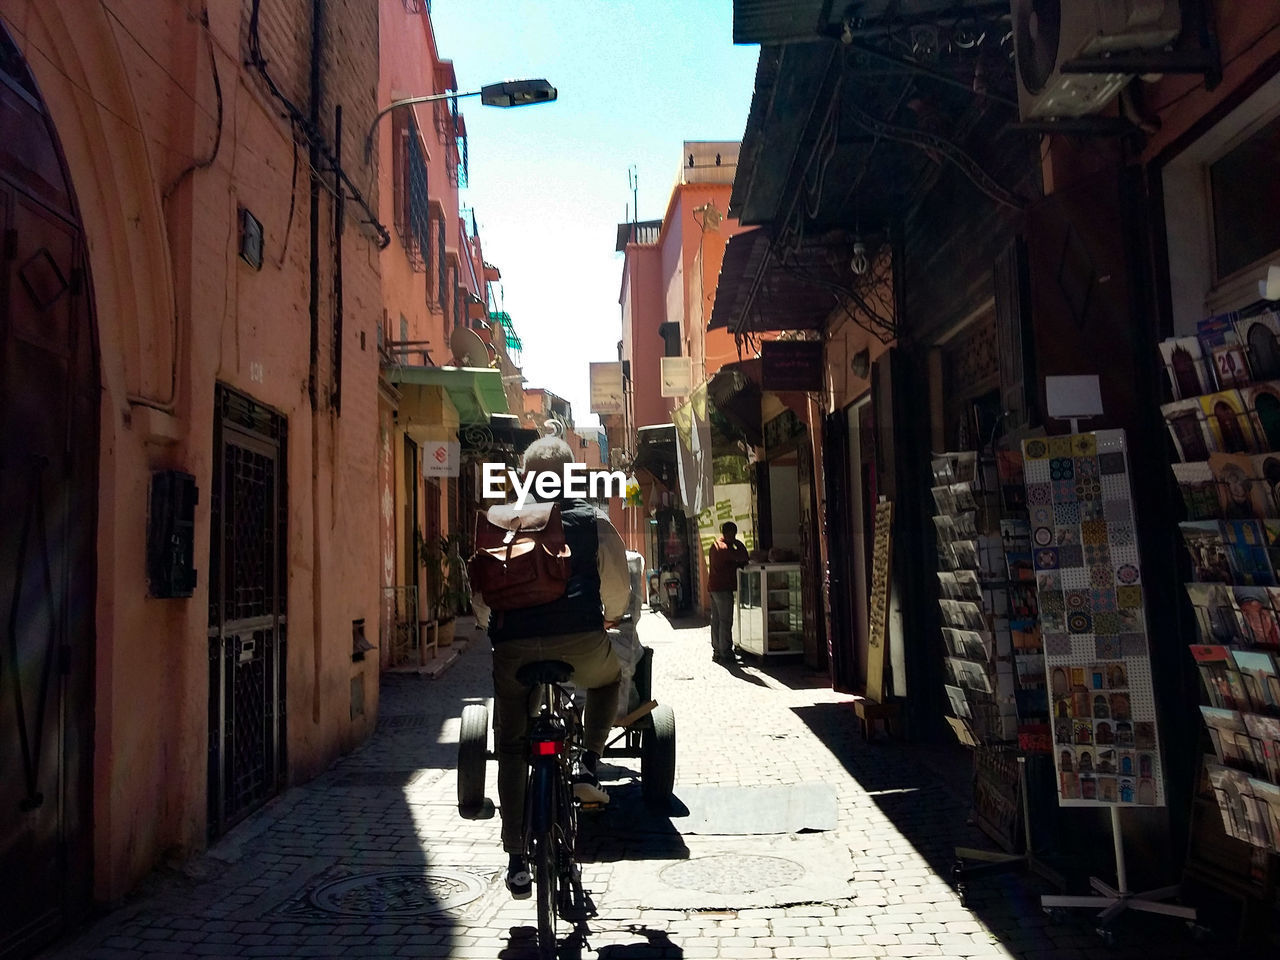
{"x":724,"y":561}
{"x":579,"y":610}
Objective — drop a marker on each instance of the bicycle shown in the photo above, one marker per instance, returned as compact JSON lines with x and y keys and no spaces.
{"x":551,"y":810}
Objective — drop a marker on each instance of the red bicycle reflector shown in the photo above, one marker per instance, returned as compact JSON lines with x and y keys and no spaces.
{"x":547,"y":748}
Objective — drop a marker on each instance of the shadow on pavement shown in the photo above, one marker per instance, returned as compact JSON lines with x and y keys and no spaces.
{"x":933,"y":817}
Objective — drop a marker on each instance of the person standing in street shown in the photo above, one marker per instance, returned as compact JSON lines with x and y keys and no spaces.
{"x":728,"y":554}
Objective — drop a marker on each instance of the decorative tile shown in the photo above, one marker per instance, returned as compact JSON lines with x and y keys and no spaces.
{"x":1070,"y":555}
{"x":1070,"y":534}
{"x":1127,"y":574}
{"x":1064,"y":513}
{"x":1100,"y":578}
{"x":1120,"y":534}
{"x":1088,"y":490}
{"x":1097,"y":555}
{"x":1035,"y":449}
{"x":1129,"y":597}
{"x":1093,"y":532}
{"x":1062,"y":468}
{"x":1064,"y":491}
{"x":1084,"y":445}
{"x":1046,"y":558}
{"x":1057,"y":645}
{"x":1086,"y":468}
{"x":1091,"y":510}
{"x":1133,"y":644}
{"x":1115,"y":488}
{"x":1079,"y":622}
{"x":1048,"y":580}
{"x":1041,"y":515}
{"x":1131,"y":620}
{"x":1107,"y":648}
{"x":1118,"y":511}
{"x":1052,"y":600}
{"x":1059,"y":446}
{"x":1042,"y":536}
{"x":1038,"y":493}
{"x":1110,"y":463}
{"x":1103,"y":601}
{"x":1077,"y":600}
{"x":1106,"y":624}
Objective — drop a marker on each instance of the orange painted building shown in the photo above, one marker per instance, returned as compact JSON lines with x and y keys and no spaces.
{"x":196,"y":313}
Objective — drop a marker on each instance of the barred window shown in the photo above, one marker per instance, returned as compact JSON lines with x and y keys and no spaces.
{"x":442,"y":276}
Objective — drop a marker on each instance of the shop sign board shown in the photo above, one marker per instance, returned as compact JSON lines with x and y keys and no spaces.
{"x":677,"y":376}
{"x":791,"y":365}
{"x":607,"y":397}
{"x":441,"y":458}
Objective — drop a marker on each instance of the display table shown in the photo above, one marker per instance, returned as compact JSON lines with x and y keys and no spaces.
{"x":769,"y":617}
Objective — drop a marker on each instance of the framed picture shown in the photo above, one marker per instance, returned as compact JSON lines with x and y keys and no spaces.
{"x":1186,"y":422}
{"x":1260,"y":337}
{"x":1262,"y":401}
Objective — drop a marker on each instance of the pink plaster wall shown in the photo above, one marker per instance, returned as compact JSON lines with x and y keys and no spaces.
{"x":178,"y":312}
{"x":643,"y":311}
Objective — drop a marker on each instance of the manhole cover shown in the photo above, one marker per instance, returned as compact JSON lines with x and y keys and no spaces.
{"x":732,"y":873}
{"x":398,"y":893}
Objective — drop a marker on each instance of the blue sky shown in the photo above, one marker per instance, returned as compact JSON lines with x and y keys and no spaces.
{"x":549,"y":182}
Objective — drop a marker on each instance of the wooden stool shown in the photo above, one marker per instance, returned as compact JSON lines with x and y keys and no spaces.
{"x":869,"y":711}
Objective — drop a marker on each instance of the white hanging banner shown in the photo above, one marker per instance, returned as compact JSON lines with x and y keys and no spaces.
{"x":441,"y":458}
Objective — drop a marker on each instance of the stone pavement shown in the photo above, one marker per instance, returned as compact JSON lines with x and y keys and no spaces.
{"x":372,"y":860}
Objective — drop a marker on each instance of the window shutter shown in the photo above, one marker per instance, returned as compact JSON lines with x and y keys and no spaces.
{"x":1014,"y":335}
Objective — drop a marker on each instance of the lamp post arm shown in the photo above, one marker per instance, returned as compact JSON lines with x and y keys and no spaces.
{"x":412,"y":101}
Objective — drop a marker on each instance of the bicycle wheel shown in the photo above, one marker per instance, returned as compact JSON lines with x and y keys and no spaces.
{"x":546,"y":877}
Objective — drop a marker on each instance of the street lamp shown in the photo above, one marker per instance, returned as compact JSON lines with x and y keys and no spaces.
{"x":508,"y":93}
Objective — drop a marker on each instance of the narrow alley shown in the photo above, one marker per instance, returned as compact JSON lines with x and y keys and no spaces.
{"x":371,"y":859}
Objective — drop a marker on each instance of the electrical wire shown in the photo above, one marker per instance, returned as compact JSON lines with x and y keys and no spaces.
{"x":217,"y":89}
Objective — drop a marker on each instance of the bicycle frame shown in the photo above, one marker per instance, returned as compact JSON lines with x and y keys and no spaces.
{"x":550,"y":814}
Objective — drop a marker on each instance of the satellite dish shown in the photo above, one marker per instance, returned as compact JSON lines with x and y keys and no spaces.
{"x":467,"y":348}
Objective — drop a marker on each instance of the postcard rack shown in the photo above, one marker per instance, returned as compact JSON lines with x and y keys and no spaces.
{"x":995,"y":682}
{"x":1224,"y":422}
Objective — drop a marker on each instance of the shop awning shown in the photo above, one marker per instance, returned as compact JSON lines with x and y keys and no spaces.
{"x":656,"y":452}
{"x":735,"y":393}
{"x":763,"y":289}
{"x":476,"y":392}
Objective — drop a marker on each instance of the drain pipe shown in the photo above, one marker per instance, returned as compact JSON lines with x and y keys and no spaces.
{"x":313,"y":307}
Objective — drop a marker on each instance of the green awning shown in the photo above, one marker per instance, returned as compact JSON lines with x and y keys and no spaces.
{"x":476,"y":392}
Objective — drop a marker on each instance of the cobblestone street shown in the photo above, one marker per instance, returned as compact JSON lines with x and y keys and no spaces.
{"x":333,"y":868}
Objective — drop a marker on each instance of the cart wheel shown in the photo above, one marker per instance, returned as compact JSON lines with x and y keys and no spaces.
{"x":1107,"y":935}
{"x":473,"y":754}
{"x":962,"y":894}
{"x":658,"y":757}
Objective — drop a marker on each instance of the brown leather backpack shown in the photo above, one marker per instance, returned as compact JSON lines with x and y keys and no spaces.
{"x":521,"y":558}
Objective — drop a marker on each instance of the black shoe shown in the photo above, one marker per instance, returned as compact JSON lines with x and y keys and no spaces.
{"x":519,"y":880}
{"x":586,"y":785}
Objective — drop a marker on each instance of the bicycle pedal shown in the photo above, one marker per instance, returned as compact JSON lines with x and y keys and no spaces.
{"x":587,"y":806}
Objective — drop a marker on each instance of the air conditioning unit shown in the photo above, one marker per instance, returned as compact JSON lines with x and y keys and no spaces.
{"x":1047,"y":33}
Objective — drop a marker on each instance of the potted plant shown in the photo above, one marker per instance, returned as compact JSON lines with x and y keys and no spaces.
{"x":447,"y":589}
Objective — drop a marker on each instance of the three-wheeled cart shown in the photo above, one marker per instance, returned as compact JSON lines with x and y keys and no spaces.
{"x":647,"y":732}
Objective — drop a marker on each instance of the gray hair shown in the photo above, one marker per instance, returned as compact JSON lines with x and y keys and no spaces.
{"x":547,"y":453}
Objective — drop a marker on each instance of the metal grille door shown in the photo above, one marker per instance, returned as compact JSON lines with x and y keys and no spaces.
{"x":246,"y":611}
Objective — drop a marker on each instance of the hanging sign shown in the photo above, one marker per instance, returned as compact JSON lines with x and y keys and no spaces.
{"x":677,"y":376}
{"x":441,"y":458}
{"x":791,"y":365}
{"x":606,"y":389}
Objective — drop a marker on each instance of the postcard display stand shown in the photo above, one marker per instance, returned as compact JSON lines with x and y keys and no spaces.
{"x":994,"y":667}
{"x":1089,"y":581}
{"x":1226,"y":431}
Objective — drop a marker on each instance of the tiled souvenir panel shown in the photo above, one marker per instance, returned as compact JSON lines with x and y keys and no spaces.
{"x":1089,"y":581}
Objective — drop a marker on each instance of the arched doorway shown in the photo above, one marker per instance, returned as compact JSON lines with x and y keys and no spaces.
{"x":49,"y":406}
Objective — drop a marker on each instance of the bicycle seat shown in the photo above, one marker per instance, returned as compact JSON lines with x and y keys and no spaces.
{"x":544,"y":671}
